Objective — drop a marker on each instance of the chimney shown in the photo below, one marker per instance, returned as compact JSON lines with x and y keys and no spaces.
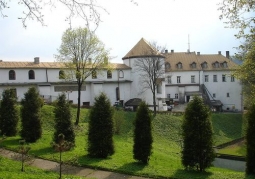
{"x":172,"y":51}
{"x":227,"y":54}
{"x":219,"y":52}
{"x":198,"y":53}
{"x":166,"y":51}
{"x":36,"y":60}
{"x":188,"y":51}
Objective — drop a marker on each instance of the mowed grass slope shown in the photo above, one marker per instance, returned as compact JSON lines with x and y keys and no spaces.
{"x":165,"y":160}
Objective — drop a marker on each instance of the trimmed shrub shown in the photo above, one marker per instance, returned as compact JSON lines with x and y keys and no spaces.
{"x":197,"y":136}
{"x":142,"y":148}
{"x":101,"y":128}
{"x":8,"y":113}
{"x":31,"y":129}
{"x":63,"y":123}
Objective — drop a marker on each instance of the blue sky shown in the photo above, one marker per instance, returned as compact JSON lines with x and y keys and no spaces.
{"x":166,"y":21}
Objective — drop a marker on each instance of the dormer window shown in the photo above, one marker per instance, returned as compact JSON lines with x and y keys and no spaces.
{"x":204,"y":65}
{"x":224,"y":64}
{"x":193,"y":65}
{"x":179,"y":65}
{"x":167,"y":66}
{"x":216,"y":65}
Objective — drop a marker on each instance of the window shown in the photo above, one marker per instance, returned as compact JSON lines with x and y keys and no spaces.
{"x":158,"y":65}
{"x":227,"y":94}
{"x":109,"y":74}
{"x":167,"y":66}
{"x":176,"y":96}
{"x":12,"y":75}
{"x":223,"y":78}
{"x":204,"y":65}
{"x":31,"y":74}
{"x":206,"y":78}
{"x":61,"y":74}
{"x":192,"y":79}
{"x":193,"y":65}
{"x":94,"y":74}
{"x":159,"y":89}
{"x":232,"y":78}
{"x":168,"y":96}
{"x":216,"y":65}
{"x":121,"y":74}
{"x":224,"y":64}
{"x":214,"y":78}
{"x":178,"y":79}
{"x":179,"y":65}
{"x":169,"y":79}
{"x":117,"y":94}
{"x":214,"y":95}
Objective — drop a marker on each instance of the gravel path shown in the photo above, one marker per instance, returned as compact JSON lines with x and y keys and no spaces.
{"x":68,"y":169}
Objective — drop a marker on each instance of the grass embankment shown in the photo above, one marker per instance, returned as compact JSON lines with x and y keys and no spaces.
{"x":165,"y":160}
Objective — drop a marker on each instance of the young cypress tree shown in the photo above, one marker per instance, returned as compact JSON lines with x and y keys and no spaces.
{"x":197,"y":136}
{"x":8,"y":113}
{"x":142,"y":134}
{"x":101,"y":128}
{"x":31,"y":129}
{"x":63,"y":123}
{"x":250,"y":140}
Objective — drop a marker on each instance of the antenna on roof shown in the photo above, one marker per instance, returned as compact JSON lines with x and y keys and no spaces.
{"x":188,"y":44}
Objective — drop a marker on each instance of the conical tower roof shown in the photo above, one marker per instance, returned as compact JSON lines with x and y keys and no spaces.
{"x":142,"y":49}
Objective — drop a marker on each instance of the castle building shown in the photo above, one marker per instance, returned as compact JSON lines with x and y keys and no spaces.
{"x":186,"y":74}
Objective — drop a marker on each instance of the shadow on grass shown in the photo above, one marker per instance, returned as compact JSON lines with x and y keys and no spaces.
{"x":187,"y":174}
{"x":10,"y":142}
{"x":41,"y":151}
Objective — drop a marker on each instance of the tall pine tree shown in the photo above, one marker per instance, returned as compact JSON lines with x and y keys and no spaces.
{"x":63,"y":123}
{"x":250,"y":140}
{"x":31,"y":129}
{"x":101,"y":128}
{"x":142,"y":134}
{"x":8,"y":113}
{"x":197,"y":136}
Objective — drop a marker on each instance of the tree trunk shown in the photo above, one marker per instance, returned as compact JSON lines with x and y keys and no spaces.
{"x":79,"y":105}
{"x":154,"y":103}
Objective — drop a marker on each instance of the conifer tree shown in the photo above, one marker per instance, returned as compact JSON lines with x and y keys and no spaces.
{"x":197,"y":136}
{"x":8,"y":113}
{"x":250,"y":136}
{"x":31,"y":129}
{"x":142,"y":134}
{"x":101,"y":128}
{"x":63,"y":123}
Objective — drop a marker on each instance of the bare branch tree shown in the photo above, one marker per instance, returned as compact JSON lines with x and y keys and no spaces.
{"x":88,"y":10}
{"x":151,"y":69}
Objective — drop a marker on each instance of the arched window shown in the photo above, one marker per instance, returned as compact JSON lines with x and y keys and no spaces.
{"x":121,"y":74}
{"x":179,"y":65}
{"x":204,"y":65}
{"x":224,"y":64}
{"x":31,"y":74}
{"x":61,"y":74}
{"x":94,"y":74}
{"x":193,"y":65}
{"x":167,"y":66}
{"x":12,"y":75}
{"x":109,"y":74}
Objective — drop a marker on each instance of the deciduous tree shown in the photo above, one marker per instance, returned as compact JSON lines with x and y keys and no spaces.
{"x":142,"y":148}
{"x":31,"y":129}
{"x":82,"y":54}
{"x":151,"y":69}
{"x":197,"y":136}
{"x":101,"y":128}
{"x":8,"y":113}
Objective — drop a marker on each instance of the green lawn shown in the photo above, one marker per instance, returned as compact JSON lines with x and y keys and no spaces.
{"x":165,"y":160}
{"x":12,"y":170}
